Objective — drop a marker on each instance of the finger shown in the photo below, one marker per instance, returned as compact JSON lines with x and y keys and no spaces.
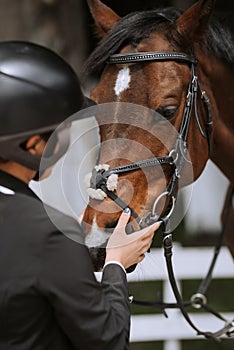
{"x":124,"y":218}
{"x":147,"y":235}
{"x":147,"y":245}
{"x":154,"y":227}
{"x":148,"y":231}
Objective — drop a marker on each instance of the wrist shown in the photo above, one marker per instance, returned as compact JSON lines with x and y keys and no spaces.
{"x":111,"y":256}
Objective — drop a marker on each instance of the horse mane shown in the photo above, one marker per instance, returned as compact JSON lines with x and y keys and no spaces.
{"x":137,"y":26}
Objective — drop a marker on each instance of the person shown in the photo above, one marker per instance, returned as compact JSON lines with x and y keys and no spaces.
{"x":49,"y":296}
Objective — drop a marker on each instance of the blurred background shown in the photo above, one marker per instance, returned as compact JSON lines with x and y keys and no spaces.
{"x":66,"y":27}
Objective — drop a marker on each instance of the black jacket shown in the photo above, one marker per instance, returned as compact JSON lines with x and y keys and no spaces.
{"x":49,"y":297}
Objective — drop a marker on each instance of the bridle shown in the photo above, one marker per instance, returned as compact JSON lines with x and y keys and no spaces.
{"x":177,"y":158}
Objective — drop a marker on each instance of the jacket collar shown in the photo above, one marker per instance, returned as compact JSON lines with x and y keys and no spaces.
{"x":14,"y":184}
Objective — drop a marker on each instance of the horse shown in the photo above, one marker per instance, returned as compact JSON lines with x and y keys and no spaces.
{"x":178,"y":64}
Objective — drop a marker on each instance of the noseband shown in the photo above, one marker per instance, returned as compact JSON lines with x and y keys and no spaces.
{"x":178,"y":156}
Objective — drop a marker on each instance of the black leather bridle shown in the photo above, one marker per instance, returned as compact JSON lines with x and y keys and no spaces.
{"x":177,"y":158}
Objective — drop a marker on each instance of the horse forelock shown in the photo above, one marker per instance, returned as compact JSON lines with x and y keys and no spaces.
{"x":131,"y":29}
{"x":137,"y":26}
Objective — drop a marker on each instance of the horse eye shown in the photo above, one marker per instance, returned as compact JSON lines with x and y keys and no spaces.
{"x":167,"y":112}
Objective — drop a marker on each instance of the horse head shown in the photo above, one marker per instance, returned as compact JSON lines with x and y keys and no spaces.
{"x":158,"y":103}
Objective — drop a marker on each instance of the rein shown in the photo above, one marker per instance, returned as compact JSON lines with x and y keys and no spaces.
{"x":198,"y":300}
{"x":177,"y":158}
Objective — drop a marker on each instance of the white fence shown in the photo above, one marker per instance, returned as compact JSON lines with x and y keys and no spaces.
{"x":189,"y":263}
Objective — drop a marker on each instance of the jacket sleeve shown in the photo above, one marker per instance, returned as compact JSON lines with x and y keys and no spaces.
{"x":93,"y":315}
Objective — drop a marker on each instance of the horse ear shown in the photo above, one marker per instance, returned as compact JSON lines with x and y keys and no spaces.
{"x":193,"y":23}
{"x":104,"y":17}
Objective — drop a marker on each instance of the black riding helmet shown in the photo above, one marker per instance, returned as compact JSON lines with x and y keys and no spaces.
{"x":38,"y":91}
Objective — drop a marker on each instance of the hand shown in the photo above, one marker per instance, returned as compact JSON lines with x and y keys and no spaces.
{"x":129,"y":249}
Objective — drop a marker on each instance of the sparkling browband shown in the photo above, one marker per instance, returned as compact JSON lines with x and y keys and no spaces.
{"x":151,"y":56}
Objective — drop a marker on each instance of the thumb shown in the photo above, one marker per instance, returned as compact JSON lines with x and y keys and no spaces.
{"x":118,"y":237}
{"x":124,"y":218}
